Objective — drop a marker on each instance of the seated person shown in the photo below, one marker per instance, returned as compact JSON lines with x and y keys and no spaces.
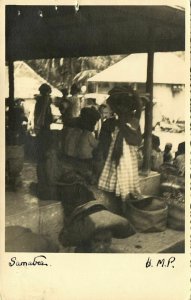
{"x":179,"y":161}
{"x":88,"y":225}
{"x":167,"y":156}
{"x":156,"y":154}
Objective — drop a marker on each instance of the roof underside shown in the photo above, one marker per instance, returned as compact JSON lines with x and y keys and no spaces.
{"x":94,"y":30}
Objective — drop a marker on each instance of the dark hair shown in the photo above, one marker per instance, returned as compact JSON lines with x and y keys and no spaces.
{"x":64,"y":92}
{"x":88,"y":118}
{"x":168,"y":147}
{"x":155,"y":141}
{"x":74,"y":89}
{"x":181,"y":148}
{"x":44,"y":89}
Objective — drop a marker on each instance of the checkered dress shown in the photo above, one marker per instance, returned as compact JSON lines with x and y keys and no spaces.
{"x":124,"y":178}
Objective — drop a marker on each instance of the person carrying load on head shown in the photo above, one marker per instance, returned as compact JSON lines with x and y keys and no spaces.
{"x":120,"y":172}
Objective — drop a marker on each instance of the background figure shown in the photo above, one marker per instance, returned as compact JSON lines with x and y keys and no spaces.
{"x":105,"y":113}
{"x":42,"y":111}
{"x":82,"y":97}
{"x":156,"y":154}
{"x":167,"y":156}
{"x":181,"y":149}
{"x":42,"y":120}
{"x":120,"y":172}
{"x":64,"y":93}
{"x":79,"y":140}
{"x":65,"y":107}
{"x":15,"y":140}
{"x":179,"y":161}
{"x":75,"y":101}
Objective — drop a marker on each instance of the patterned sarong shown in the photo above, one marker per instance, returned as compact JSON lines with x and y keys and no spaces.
{"x":122,"y":179}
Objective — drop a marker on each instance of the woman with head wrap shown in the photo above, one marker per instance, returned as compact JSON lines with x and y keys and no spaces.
{"x":120,"y":172}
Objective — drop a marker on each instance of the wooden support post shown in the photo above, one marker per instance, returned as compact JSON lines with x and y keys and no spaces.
{"x":11,"y":82}
{"x":97,"y":87}
{"x":148,"y":115}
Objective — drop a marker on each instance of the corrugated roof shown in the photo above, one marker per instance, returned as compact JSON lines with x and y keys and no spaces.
{"x":27,"y":82}
{"x":168,"y":69}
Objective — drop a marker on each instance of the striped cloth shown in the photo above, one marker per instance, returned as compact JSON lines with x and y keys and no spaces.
{"x":124,"y":178}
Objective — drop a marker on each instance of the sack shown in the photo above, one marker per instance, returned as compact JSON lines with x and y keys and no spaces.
{"x":148,"y":214}
{"x":176,"y":216}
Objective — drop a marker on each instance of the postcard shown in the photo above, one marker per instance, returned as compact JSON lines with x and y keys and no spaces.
{"x":95,"y":166}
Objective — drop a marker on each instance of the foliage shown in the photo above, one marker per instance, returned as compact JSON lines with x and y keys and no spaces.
{"x":65,"y":71}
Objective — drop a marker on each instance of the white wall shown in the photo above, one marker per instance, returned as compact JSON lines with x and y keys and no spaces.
{"x":169,"y":105}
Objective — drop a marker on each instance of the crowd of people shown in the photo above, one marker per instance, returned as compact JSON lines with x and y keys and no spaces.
{"x":101,"y":144}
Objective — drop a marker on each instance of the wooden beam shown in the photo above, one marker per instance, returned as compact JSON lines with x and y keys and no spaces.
{"x":11,"y":81}
{"x":148,"y":115}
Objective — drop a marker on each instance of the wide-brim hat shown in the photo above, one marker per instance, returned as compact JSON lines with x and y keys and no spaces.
{"x":82,"y":229}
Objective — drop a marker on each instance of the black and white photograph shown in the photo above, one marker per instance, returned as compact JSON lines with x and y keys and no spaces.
{"x":95,"y":118}
{"x":95,"y":129}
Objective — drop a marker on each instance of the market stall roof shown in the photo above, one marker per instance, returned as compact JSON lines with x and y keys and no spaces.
{"x":168,"y":69}
{"x":27,"y":82}
{"x":57,"y":31}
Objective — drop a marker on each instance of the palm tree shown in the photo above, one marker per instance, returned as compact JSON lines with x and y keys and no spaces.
{"x":63,"y":72}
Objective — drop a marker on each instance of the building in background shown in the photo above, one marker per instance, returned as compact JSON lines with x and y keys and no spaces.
{"x":169,"y":81}
{"x":26,"y":85}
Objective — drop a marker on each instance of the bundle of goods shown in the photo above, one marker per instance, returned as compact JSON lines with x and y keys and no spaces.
{"x":175,"y":198}
{"x":172,"y":189}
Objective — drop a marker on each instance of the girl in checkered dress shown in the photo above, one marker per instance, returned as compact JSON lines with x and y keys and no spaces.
{"x":120,"y":172}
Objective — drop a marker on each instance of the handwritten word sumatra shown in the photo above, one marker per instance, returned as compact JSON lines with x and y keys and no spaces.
{"x":163,"y":263}
{"x":37,"y":261}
